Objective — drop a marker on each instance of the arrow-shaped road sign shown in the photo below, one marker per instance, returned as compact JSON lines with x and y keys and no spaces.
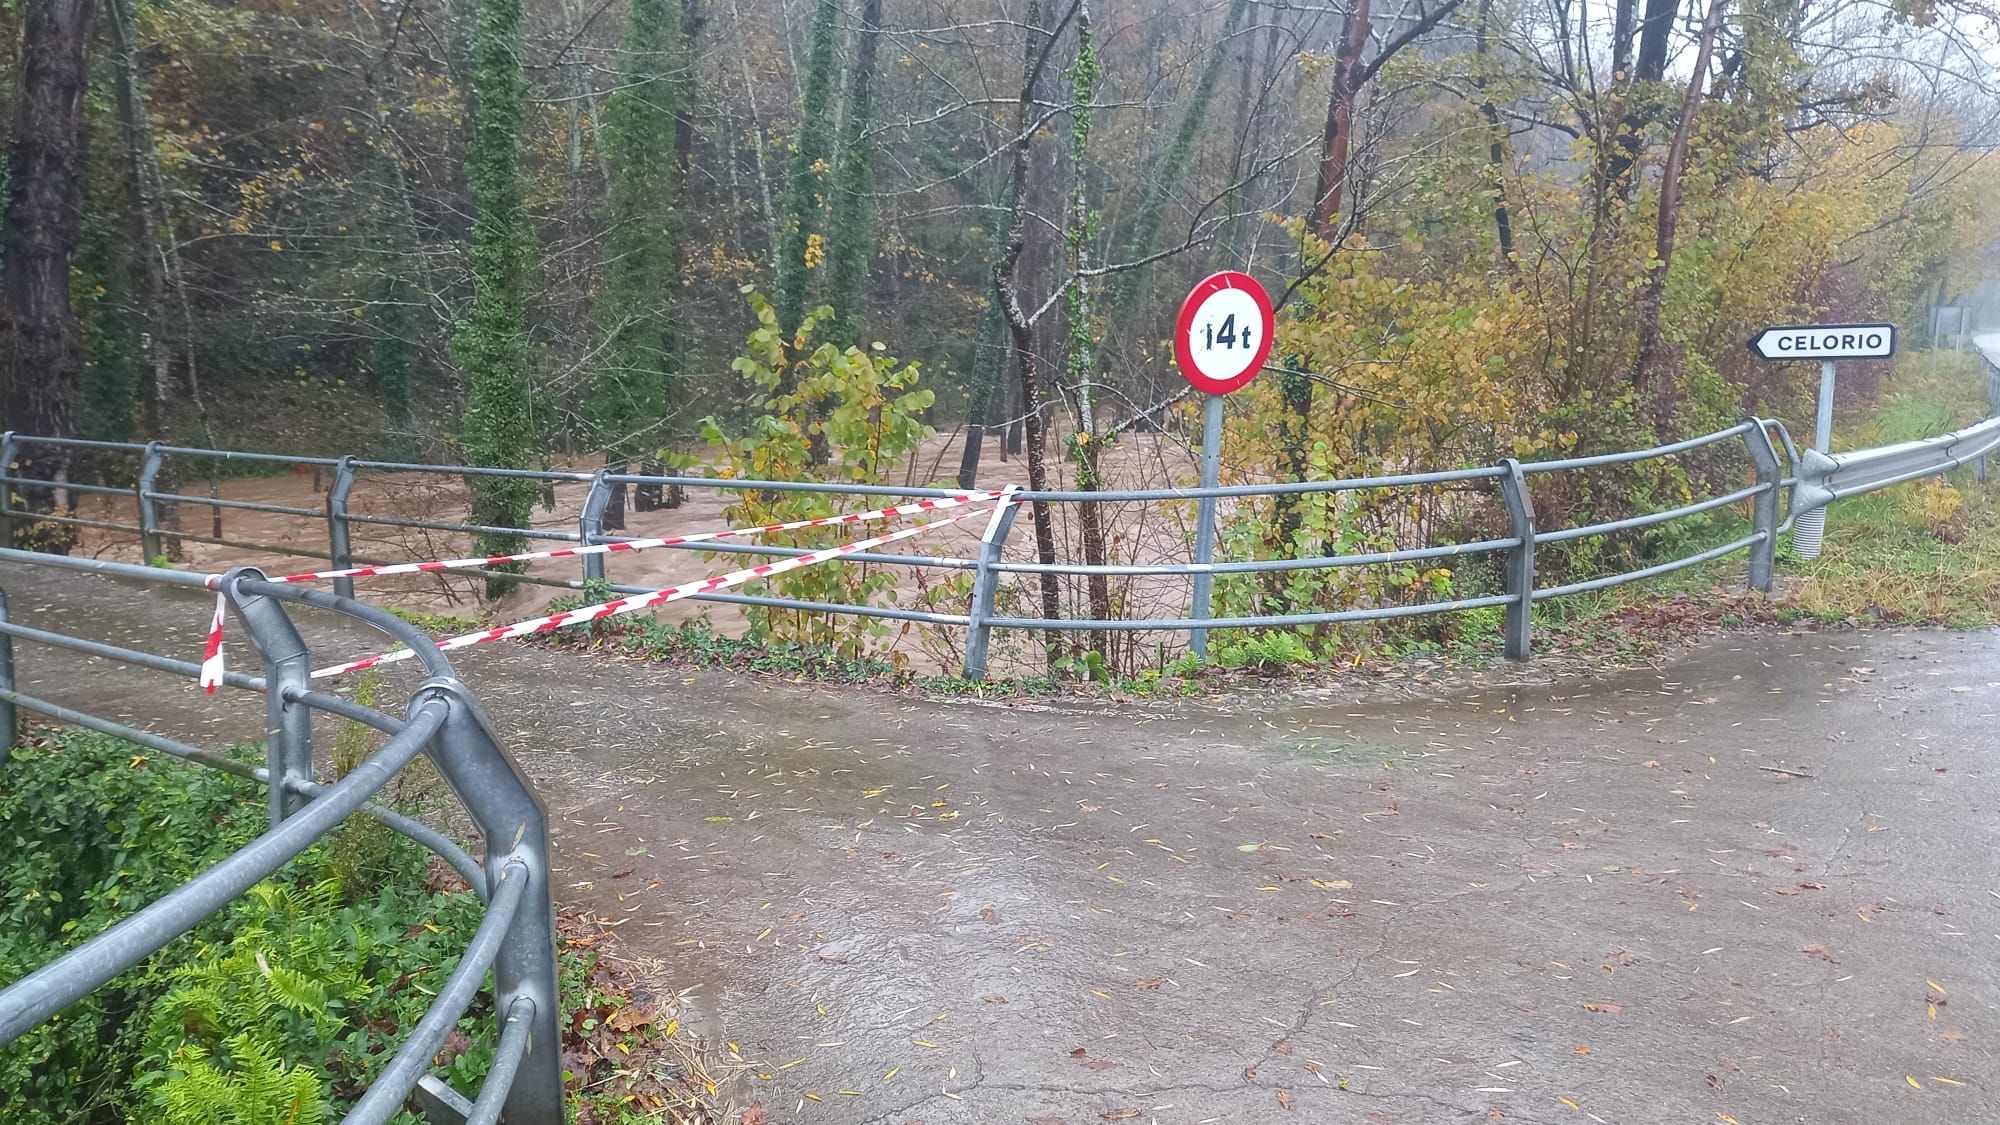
{"x":1826,"y":341}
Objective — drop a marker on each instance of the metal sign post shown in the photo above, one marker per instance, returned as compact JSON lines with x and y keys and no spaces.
{"x":1826,"y":343}
{"x":1221,"y":340}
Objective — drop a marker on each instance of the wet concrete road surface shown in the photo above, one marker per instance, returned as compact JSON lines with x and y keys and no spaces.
{"x":1755,"y":886}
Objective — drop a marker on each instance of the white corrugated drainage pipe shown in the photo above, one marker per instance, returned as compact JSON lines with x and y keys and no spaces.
{"x":1808,"y":531}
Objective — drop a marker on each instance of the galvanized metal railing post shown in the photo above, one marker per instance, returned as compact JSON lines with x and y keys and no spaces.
{"x":985,"y":588}
{"x":10,"y":719}
{"x":8,"y":449}
{"x":1204,"y":530}
{"x":1520,"y":560}
{"x":1764,"y":552}
{"x":590,"y":526}
{"x":515,"y":828}
{"x":288,"y":736}
{"x":1993,"y":408}
{"x":150,"y":547}
{"x":1809,"y":529}
{"x":339,"y":542}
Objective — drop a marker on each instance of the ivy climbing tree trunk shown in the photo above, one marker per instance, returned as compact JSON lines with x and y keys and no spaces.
{"x":631,"y":397}
{"x":853,"y":204}
{"x":41,"y":344}
{"x":1086,"y":447}
{"x":802,"y":246}
{"x":491,"y":345}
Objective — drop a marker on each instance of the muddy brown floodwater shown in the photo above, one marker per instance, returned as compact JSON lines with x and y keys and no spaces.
{"x":1137,"y":533}
{"x":1756,"y":885}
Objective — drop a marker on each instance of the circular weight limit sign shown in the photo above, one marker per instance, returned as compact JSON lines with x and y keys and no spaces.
{"x":1224,"y":333}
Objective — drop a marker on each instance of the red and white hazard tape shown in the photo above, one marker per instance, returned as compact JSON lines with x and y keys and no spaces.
{"x":913,"y":508}
{"x":211,"y":655}
{"x":212,"y":662}
{"x":636,"y":602}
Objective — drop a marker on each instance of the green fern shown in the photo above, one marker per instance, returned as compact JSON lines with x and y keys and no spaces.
{"x":257,"y":1088}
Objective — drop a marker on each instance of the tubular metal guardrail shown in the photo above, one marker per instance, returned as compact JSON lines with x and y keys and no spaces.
{"x":989,"y":566}
{"x":515,"y":940}
{"x":1781,"y":473}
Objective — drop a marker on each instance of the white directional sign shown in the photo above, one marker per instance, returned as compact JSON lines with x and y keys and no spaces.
{"x":1826,"y":341}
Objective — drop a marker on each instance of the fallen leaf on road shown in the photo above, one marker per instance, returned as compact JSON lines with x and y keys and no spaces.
{"x":756,"y":1114}
{"x":1821,"y":952}
{"x":1149,"y":983}
{"x":1285,"y":1099}
{"x":1121,"y":1114}
{"x":1605,"y":1006}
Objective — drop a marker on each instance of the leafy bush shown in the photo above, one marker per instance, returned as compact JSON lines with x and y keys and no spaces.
{"x":276,"y":1009}
{"x":824,"y":414}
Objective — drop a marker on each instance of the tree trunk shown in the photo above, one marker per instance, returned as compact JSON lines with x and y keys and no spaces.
{"x":1297,"y":390}
{"x":159,"y":250}
{"x":1336,"y":138}
{"x":492,"y":343}
{"x":1082,"y":357}
{"x":853,"y":231}
{"x":1652,"y":295}
{"x":1039,"y":43}
{"x":41,"y":343}
{"x":1496,"y":152}
{"x":989,"y":352}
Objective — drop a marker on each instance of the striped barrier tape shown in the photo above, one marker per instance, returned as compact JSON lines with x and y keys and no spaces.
{"x":913,"y":508}
{"x":212,"y":661}
{"x":599,"y":612}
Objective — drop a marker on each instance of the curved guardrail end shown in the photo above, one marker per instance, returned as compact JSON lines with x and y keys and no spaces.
{"x":514,"y":825}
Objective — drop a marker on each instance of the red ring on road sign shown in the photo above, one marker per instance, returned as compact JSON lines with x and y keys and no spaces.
{"x":1205,"y":288}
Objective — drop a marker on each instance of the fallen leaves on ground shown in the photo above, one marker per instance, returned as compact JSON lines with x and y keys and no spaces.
{"x":1091,"y":1061}
{"x":1821,"y":952}
{"x":1605,"y":1006}
{"x":623,"y":1048}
